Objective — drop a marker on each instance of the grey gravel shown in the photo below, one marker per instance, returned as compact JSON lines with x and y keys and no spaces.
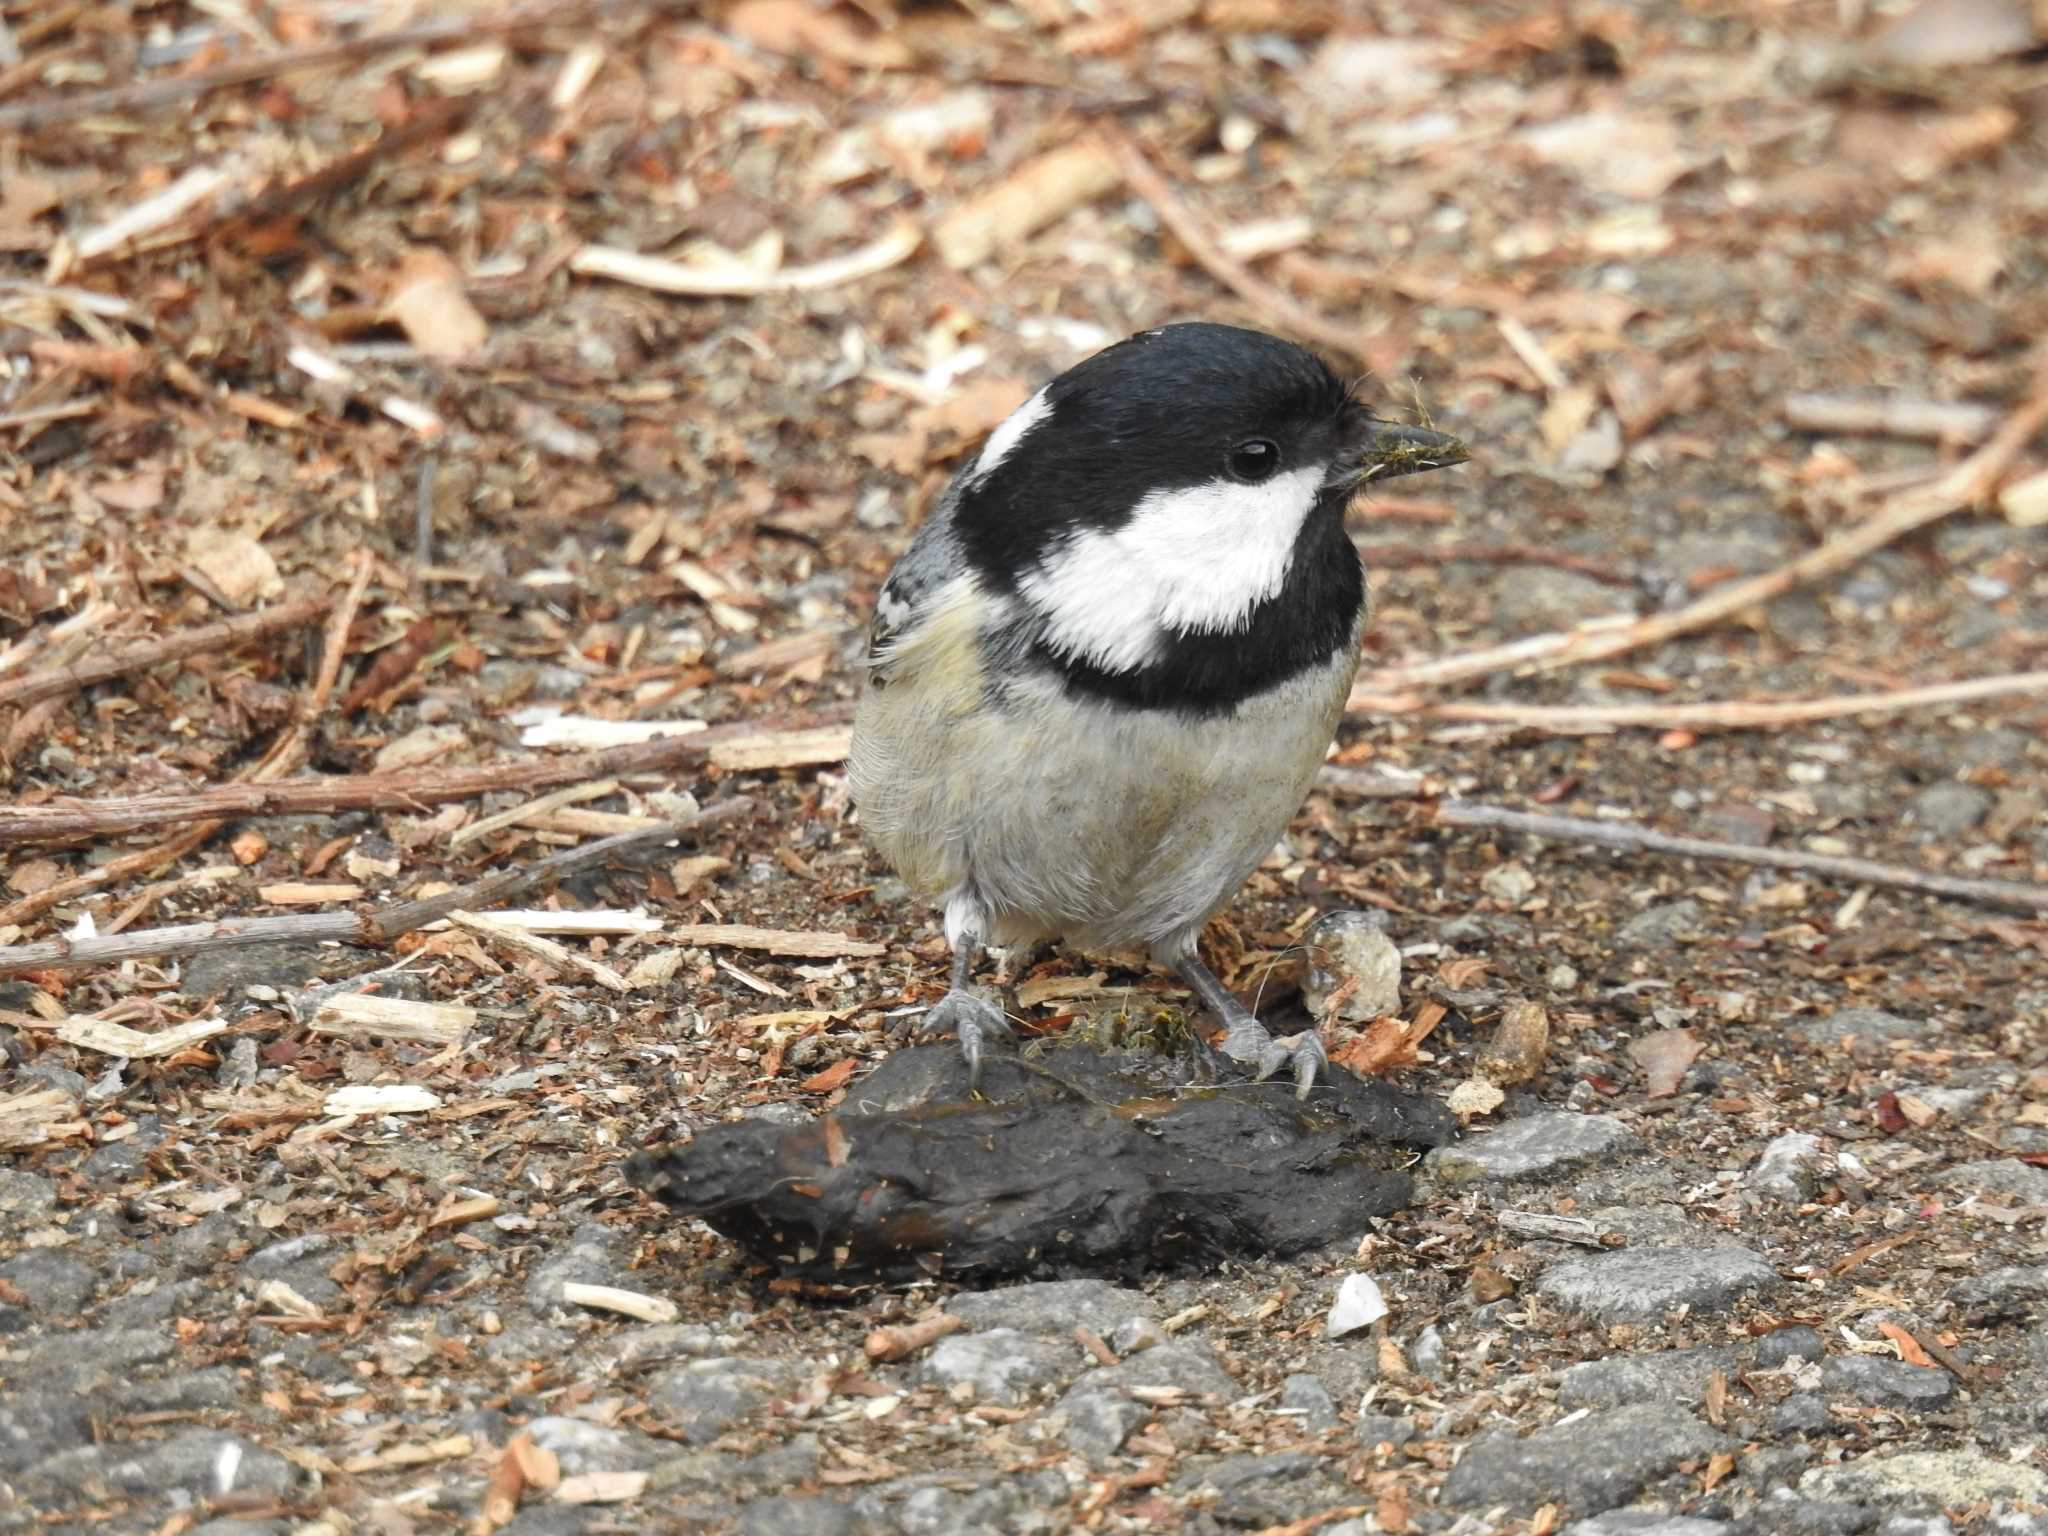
{"x":1055,"y":1306}
{"x":1001,"y":1365}
{"x":1660,"y":927}
{"x":1538,"y":1146}
{"x":2006,"y":1177}
{"x":1887,"y":1383}
{"x":1304,"y":1396}
{"x":1949,"y":1479}
{"x":1590,"y":1465}
{"x":706,"y":1397}
{"x":581,"y":1446}
{"x":1641,"y":1285}
{"x":1644,"y":1522}
{"x":1676,"y":1375}
{"x":1788,"y":1168}
{"x":1863,"y":1023}
{"x":1942,"y":812}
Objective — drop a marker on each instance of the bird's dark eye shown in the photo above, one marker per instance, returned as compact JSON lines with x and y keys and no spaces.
{"x":1254,"y":460}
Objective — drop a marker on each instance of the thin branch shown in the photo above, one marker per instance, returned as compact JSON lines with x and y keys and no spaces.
{"x":43,"y":112}
{"x":2012,"y":894}
{"x":367,"y":928}
{"x":1603,"y":638}
{"x":412,"y":790}
{"x":1395,"y":556}
{"x":54,"y":681}
{"x":1278,"y":306}
{"x":1736,"y":715}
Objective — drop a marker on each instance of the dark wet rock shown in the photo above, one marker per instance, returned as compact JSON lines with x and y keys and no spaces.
{"x":1539,"y":1146}
{"x":1096,"y":1161}
{"x":1887,"y":1383}
{"x":1590,"y":1465}
{"x":1001,"y":1365}
{"x":1053,"y":1306}
{"x":1641,"y":1285}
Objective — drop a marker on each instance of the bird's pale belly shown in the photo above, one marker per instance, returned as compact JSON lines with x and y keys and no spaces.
{"x":1105,"y":827}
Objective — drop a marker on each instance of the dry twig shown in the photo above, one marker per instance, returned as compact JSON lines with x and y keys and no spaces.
{"x":413,"y":790}
{"x":51,"y":682}
{"x":1604,"y":638}
{"x":43,"y":112}
{"x":1279,"y":308}
{"x":368,"y":928}
{"x":2013,"y":894}
{"x":1736,"y":715}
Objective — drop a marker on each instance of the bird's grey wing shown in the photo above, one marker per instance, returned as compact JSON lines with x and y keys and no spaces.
{"x":933,"y":565}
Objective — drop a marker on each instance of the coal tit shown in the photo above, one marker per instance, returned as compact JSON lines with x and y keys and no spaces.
{"x":1102,"y":676}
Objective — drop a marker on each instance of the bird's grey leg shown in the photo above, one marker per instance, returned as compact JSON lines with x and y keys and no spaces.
{"x":972,"y":1019}
{"x":1245,"y":1039}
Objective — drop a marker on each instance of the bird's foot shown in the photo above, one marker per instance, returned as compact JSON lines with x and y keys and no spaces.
{"x":974,"y":1021}
{"x":1249,"y":1042}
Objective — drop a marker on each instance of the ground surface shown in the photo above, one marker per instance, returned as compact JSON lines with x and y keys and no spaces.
{"x":1602,"y":243}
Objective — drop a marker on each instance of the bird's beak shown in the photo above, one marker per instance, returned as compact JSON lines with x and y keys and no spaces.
{"x":1388,"y":450}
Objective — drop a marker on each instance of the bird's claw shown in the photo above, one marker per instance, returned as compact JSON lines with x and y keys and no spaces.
{"x":1248,"y":1041}
{"x":971,"y":1020}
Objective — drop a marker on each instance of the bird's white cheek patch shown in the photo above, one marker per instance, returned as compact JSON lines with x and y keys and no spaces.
{"x":1195,"y":560}
{"x":1009,"y":432}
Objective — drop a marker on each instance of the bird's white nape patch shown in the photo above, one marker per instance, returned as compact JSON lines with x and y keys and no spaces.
{"x":1194,"y":561}
{"x":1009,"y":432}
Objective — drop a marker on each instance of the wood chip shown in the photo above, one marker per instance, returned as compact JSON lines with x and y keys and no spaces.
{"x":608,"y":1298}
{"x":428,"y":302}
{"x":309,"y":893}
{"x":1025,"y":201}
{"x":737,"y":280}
{"x":776,"y":941}
{"x":574,"y":794}
{"x":903,"y":1341}
{"x":520,"y":941}
{"x":120,"y":1040}
{"x":392,"y":1018}
{"x":601,"y":1487}
{"x":784,"y":749}
{"x":30,"y":1119}
{"x":381,"y":1099}
{"x":605,"y":921}
{"x":584,"y":733}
